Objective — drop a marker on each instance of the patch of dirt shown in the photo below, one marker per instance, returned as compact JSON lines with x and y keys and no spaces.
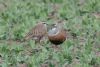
{"x":5,"y":4}
{"x":75,"y":62}
{"x":11,"y":42}
{"x":1,"y":60}
{"x":97,"y":15}
{"x":50,"y":63}
{"x":2,"y":7}
{"x":22,"y":65}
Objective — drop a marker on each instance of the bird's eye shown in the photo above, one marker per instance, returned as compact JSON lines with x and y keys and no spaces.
{"x":53,"y":25}
{"x":44,"y":23}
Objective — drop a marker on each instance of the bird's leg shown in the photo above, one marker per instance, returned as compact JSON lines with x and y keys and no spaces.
{"x":42,"y":40}
{"x":36,"y":41}
{"x":40,"y":43}
{"x":38,"y":46}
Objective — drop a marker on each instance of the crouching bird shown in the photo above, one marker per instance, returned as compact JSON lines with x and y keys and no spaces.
{"x":57,"y":34}
{"x":37,"y":33}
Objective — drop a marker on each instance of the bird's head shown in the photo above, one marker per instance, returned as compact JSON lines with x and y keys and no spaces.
{"x":43,"y":23}
{"x":53,"y":30}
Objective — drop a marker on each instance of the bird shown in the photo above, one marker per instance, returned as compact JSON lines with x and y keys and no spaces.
{"x":37,"y":33}
{"x":57,"y":34}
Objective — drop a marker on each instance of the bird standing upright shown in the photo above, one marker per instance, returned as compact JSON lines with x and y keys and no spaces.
{"x":37,"y":33}
{"x":57,"y":35}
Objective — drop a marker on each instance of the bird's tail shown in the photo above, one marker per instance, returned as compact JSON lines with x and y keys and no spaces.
{"x":28,"y":37}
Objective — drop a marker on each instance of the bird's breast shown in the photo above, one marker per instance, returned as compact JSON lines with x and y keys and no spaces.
{"x":59,"y":38}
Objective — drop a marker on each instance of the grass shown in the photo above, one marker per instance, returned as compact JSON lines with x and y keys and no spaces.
{"x":18,"y":16}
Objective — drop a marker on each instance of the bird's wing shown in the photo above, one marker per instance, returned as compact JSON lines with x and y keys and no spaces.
{"x":30,"y":34}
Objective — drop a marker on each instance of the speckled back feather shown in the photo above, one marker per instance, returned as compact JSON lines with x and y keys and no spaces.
{"x":37,"y":32}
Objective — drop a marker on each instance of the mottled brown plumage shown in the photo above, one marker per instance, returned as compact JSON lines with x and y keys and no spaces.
{"x":37,"y":32}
